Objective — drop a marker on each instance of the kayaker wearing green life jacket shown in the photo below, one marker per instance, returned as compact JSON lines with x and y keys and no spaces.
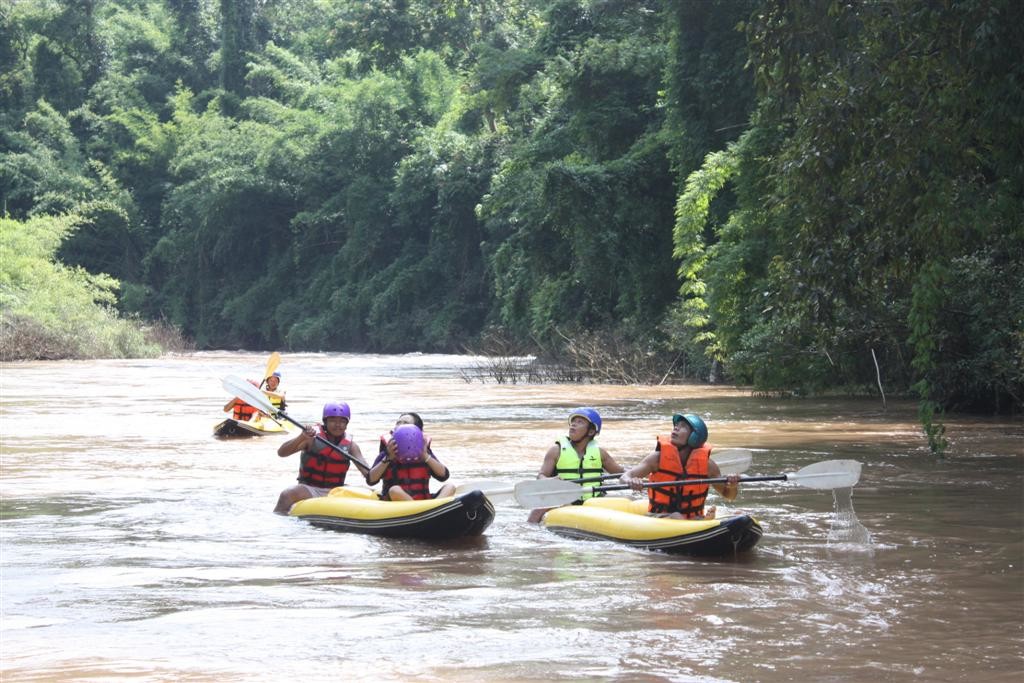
{"x":577,"y":455}
{"x":685,"y":454}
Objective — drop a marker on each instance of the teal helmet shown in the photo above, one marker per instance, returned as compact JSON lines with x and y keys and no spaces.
{"x":698,"y":430}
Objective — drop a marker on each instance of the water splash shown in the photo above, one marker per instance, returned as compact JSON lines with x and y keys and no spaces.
{"x":846,"y":528}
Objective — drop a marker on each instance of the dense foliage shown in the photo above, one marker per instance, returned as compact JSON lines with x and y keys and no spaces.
{"x":809,"y":195}
{"x":53,"y":311}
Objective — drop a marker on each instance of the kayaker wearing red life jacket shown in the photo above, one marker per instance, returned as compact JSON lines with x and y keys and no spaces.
{"x":406,"y":463}
{"x":321,"y":466}
{"x":685,"y":454}
{"x":240,"y":410}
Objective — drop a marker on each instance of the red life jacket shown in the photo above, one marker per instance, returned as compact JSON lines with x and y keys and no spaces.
{"x":242,"y":411}
{"x":413,"y":478}
{"x":325,"y":468}
{"x":687,"y":500}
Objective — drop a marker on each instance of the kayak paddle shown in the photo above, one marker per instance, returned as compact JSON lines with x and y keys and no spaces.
{"x":729,"y":461}
{"x":254,"y":397}
{"x":828,"y":474}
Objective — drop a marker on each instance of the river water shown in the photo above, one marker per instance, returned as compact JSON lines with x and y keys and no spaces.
{"x":136,"y":546}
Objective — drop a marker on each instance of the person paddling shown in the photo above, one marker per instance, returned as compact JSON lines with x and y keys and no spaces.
{"x":577,"y":456}
{"x":321,"y":467}
{"x":684,"y":454}
{"x":240,"y":410}
{"x":273,"y":391}
{"x":406,"y":463}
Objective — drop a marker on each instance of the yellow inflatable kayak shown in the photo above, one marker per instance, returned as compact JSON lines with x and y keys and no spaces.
{"x":258,"y":426}
{"x":625,"y":521}
{"x":358,"y":510}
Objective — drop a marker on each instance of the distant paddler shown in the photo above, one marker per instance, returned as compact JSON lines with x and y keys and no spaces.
{"x":239,"y":409}
{"x":244,"y":412}
{"x":273,"y":391}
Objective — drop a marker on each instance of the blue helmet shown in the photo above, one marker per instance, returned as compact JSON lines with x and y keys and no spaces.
{"x":698,"y":430}
{"x":277,"y":375}
{"x":588,"y":414}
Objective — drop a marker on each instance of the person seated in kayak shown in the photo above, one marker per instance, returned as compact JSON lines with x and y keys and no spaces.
{"x":275,"y":397}
{"x":685,"y":454}
{"x":240,"y":410}
{"x":405,"y":463}
{"x":578,"y":456}
{"x":321,"y":466}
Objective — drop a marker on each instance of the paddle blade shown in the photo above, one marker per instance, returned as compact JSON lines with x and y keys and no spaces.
{"x":828,"y":474}
{"x":236,"y":386}
{"x":497,"y":491}
{"x":540,"y":493}
{"x":732,"y":460}
{"x":272,"y":363}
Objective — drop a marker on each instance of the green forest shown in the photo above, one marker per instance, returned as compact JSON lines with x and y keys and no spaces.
{"x":799,"y":196}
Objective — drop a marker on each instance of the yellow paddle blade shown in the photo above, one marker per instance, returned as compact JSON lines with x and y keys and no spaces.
{"x":272,"y":363}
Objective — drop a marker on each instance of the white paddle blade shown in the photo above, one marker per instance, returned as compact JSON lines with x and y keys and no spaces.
{"x":236,"y":386}
{"x":828,"y":474}
{"x":540,"y":493}
{"x":732,"y":460}
{"x":497,"y":491}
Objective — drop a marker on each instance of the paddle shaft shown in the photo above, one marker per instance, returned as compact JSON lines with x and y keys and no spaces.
{"x":603,"y":477}
{"x":685,"y":482}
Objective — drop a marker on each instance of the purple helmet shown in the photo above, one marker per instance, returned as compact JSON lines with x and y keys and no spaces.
{"x":336,"y":409}
{"x":409,"y":440}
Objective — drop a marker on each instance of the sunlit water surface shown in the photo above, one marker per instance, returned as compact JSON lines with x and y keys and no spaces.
{"x":136,"y":546}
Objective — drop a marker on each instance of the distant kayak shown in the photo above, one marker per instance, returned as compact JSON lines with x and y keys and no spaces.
{"x":258,"y":426}
{"x":624,"y":521}
{"x":357,"y":510}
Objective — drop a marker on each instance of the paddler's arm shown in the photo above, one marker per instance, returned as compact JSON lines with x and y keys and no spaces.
{"x":357,"y":453}
{"x":230,"y":404}
{"x":609,"y":464}
{"x":436,"y":467}
{"x":635,"y":475}
{"x":380,"y":465}
{"x":296,"y":443}
{"x":730,"y":489}
{"x":547,"y":468}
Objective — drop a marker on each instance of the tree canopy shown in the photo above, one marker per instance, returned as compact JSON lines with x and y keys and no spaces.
{"x":802,"y":196}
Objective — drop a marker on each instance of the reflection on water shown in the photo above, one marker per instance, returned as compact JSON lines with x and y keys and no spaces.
{"x":136,"y":545}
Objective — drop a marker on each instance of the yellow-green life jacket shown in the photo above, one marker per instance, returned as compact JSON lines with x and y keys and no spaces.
{"x":571,"y":466}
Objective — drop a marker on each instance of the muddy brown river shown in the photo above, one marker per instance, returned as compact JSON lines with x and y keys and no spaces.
{"x":135,"y":546}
